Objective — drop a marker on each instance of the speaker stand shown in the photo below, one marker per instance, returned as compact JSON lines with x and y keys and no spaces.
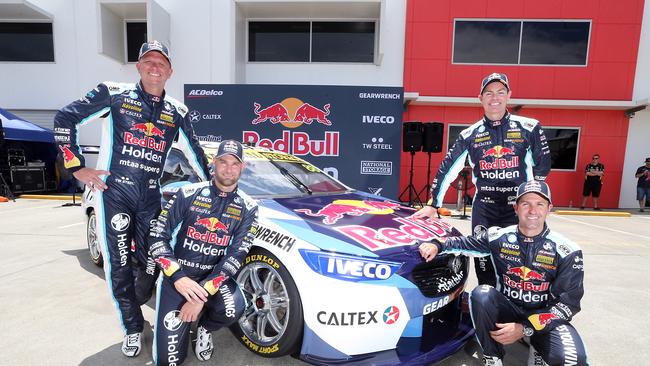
{"x":7,"y":189}
{"x":427,"y":187}
{"x":411,"y":188}
{"x":73,"y":203}
{"x":464,"y":193}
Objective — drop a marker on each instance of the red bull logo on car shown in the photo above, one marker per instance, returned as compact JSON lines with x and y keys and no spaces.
{"x":292,"y":113}
{"x":408,"y":232}
{"x":333,"y":212}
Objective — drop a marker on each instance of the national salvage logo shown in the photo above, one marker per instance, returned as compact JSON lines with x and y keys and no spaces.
{"x":292,"y":113}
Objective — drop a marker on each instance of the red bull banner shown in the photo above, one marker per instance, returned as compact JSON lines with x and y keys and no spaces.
{"x":351,"y":132}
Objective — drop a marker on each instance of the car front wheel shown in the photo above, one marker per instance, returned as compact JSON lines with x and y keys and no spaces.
{"x":93,"y":240}
{"x":271,"y":325}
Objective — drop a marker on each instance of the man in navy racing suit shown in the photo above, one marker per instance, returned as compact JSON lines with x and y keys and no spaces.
{"x":539,"y":287}
{"x":503,"y":151}
{"x":140,"y":124}
{"x":200,"y":240}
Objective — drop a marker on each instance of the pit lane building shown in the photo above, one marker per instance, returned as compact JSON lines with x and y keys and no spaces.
{"x":581,"y":67}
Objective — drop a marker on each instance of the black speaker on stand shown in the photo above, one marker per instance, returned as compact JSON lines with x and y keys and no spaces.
{"x":411,"y":142}
{"x":432,"y":134}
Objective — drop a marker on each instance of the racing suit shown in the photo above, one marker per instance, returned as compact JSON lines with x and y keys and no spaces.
{"x":502,"y":155}
{"x":204,"y":234}
{"x":137,"y":133}
{"x":539,"y":284}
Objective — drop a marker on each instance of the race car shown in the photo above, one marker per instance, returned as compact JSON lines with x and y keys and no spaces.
{"x":334,"y":274}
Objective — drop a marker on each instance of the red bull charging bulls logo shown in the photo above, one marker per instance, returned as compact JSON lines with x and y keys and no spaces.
{"x":333,"y":212}
{"x":292,"y":113}
{"x":212,"y":224}
{"x":149,"y":129}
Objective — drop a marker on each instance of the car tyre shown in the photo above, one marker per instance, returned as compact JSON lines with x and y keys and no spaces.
{"x":272,"y":323}
{"x":93,"y":240}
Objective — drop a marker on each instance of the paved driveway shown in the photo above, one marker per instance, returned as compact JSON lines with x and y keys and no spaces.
{"x":56,"y":308}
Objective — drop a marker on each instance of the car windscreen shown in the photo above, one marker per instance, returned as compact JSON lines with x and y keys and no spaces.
{"x":266,"y":174}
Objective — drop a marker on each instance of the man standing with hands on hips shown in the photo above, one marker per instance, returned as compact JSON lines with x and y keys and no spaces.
{"x":141,"y":122}
{"x":504,"y":151}
{"x":540,"y":283}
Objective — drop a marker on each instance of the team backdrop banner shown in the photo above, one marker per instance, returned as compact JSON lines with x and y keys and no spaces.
{"x":351,"y":132}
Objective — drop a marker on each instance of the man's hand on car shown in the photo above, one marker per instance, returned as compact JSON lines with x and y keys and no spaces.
{"x":428,"y":251}
{"x":426,"y":212}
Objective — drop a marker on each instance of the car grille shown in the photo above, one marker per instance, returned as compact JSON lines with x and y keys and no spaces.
{"x":437,"y":277}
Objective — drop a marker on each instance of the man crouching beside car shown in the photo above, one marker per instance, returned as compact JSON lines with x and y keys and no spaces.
{"x":539,"y":283}
{"x":200,"y":241}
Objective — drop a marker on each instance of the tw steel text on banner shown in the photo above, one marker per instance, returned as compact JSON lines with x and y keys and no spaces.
{"x":351,"y":132}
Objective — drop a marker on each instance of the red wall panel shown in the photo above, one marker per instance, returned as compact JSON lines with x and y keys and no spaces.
{"x":602,"y":132}
{"x":609,"y":74}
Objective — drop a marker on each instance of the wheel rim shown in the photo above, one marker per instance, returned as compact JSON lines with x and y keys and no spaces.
{"x":93,"y":242}
{"x":267,"y":314}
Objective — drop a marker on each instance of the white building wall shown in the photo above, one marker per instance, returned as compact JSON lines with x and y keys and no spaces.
{"x":635,"y":153}
{"x":636,"y":149}
{"x":206,"y":44}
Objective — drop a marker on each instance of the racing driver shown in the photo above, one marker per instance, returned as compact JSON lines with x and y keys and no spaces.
{"x":540,"y":283}
{"x":503,"y":151}
{"x":200,"y":240}
{"x":139,"y":125}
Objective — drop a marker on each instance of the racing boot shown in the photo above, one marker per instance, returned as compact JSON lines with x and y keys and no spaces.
{"x":131,"y":345}
{"x":204,"y":347}
{"x":492,"y":361}
{"x":535,"y":359}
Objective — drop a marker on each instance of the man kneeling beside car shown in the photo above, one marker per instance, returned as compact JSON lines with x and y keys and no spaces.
{"x":539,"y":283}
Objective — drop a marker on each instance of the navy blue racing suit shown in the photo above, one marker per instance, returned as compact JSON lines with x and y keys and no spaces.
{"x":137,"y":134}
{"x":539,"y":284}
{"x":502,"y":154}
{"x":204,"y":234}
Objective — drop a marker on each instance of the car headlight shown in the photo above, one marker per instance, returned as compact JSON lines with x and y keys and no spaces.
{"x":349,"y":267}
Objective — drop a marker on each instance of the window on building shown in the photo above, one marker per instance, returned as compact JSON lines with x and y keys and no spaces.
{"x":562,"y":141}
{"x":136,"y":35}
{"x":26,"y":42}
{"x":343,"y":42}
{"x":311,"y":41}
{"x":521,"y":42}
{"x":554,"y":43}
{"x":486,"y":42}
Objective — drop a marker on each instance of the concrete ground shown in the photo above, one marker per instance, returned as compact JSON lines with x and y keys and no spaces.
{"x":56,"y":309}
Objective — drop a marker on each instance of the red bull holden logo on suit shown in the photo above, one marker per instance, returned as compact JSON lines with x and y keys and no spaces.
{"x":498,"y":153}
{"x":211,"y":236}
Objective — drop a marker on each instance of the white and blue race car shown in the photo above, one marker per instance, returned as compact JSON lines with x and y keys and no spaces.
{"x":334,"y":275}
